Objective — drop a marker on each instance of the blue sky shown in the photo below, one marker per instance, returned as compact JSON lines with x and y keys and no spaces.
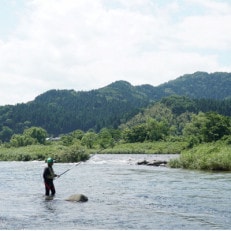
{"x":88,"y":44}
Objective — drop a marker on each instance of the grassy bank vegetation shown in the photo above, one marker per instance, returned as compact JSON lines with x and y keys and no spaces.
{"x":59,"y":152}
{"x":157,"y":147}
{"x":215,"y":156}
{"x":76,"y":152}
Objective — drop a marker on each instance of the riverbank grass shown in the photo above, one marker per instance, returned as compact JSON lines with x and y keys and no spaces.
{"x":158,"y":147}
{"x":76,"y":152}
{"x":60,"y":153}
{"x":208,"y":156}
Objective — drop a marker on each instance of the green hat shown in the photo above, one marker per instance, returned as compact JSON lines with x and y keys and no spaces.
{"x":50,"y":160}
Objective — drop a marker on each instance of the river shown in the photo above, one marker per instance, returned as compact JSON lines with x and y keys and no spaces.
{"x":122,"y":195}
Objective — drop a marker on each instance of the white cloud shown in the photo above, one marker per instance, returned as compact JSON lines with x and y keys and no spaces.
{"x":87,"y":44}
{"x":213,"y":7}
{"x":206,"y":32}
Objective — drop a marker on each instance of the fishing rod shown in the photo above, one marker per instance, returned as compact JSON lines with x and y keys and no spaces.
{"x":78,"y":163}
{"x":72,"y":167}
{"x":69,"y":169}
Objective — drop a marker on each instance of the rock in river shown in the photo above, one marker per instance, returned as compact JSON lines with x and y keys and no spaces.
{"x":153,"y":163}
{"x":77,"y":198}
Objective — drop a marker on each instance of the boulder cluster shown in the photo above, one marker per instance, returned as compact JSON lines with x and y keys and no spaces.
{"x":153,"y":163}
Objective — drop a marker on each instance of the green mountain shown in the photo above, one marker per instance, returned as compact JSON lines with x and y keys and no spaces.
{"x":199,"y":85}
{"x":63,"y":111}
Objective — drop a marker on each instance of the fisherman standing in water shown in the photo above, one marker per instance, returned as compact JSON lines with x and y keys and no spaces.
{"x":49,"y":176}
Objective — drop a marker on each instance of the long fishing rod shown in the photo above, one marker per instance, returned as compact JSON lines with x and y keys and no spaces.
{"x":78,"y":163}
{"x":72,"y":167}
{"x":69,"y":169}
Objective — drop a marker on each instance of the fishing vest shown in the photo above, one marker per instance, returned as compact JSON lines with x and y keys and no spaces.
{"x":52,"y":174}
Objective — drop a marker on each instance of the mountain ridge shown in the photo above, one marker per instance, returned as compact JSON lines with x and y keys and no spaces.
{"x":62,"y":111}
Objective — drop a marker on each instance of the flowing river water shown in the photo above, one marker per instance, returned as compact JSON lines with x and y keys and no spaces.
{"x":122,"y":195}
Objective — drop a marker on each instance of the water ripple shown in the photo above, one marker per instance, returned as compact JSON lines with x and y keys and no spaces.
{"x":122,"y":195}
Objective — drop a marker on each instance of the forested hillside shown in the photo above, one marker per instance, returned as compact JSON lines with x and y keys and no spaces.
{"x":170,"y":116}
{"x":63,"y":111}
{"x":199,"y":85}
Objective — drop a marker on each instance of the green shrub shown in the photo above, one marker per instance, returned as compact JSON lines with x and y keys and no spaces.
{"x":174,"y":163}
{"x":74,"y":153}
{"x":208,"y":156}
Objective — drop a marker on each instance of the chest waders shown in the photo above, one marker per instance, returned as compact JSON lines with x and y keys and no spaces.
{"x":48,"y":181}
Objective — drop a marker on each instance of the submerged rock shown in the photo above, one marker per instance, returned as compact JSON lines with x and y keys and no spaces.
{"x":153,"y":163}
{"x":77,"y":198}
